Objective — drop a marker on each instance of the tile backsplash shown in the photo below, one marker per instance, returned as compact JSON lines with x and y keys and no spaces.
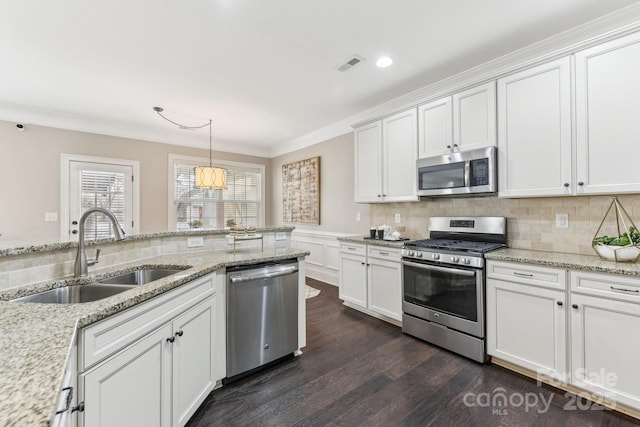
{"x":531,"y":222}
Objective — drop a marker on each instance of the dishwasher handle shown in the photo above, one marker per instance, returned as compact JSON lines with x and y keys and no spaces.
{"x":282,"y":271}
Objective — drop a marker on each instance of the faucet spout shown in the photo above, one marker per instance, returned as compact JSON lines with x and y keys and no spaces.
{"x":81,"y":266}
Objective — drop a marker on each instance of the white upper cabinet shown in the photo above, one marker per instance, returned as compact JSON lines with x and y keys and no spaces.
{"x":399,"y":148}
{"x":607,"y":120}
{"x":464,"y":121}
{"x":385,"y":159}
{"x":474,"y":117}
{"x":435,"y":129}
{"x":368,"y":162}
{"x":534,"y":131}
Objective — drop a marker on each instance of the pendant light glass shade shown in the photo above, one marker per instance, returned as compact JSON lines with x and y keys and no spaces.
{"x":210,"y":177}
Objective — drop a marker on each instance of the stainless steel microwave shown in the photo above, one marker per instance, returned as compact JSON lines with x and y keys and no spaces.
{"x":458,"y":173}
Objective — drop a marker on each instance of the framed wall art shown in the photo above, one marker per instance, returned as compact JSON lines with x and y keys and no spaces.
{"x":301,"y":191}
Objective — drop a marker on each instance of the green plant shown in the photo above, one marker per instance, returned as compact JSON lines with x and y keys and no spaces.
{"x":231,"y":222}
{"x":632,"y":237}
{"x":196,"y":223}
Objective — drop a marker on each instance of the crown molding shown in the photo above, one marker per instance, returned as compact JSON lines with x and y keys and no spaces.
{"x":613,"y":25}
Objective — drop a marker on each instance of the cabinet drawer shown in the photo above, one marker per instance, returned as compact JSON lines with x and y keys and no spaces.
{"x":110,"y":335}
{"x":548,"y":277}
{"x":606,"y":285}
{"x":383,"y":252}
{"x":353,"y":248}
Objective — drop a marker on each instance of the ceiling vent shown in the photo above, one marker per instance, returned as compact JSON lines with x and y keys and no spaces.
{"x":350,"y":64}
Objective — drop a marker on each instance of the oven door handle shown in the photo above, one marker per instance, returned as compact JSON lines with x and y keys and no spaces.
{"x":441,"y":269}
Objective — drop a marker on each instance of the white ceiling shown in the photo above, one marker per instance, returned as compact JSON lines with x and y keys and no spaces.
{"x":264,"y":71}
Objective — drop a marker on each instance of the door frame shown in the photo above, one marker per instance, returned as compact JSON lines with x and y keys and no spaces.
{"x":65,"y":162}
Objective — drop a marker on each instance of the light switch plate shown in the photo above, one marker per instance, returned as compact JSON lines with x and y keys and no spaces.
{"x":397,"y":218}
{"x":195,"y":242}
{"x":51,"y":216}
{"x":358,"y":217}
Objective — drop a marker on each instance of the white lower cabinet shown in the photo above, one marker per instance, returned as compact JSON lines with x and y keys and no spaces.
{"x":193,"y":359}
{"x":371,"y":280}
{"x":526,"y":317}
{"x":353,"y":275}
{"x":164,"y":371}
{"x":604,"y":348}
{"x":132,"y":388}
{"x":585,"y":339}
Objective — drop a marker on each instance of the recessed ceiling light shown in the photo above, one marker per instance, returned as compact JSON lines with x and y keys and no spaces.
{"x":384,"y":62}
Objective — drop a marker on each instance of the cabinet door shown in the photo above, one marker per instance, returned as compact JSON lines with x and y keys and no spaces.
{"x":534,"y":132}
{"x":385,"y":288}
{"x":353,"y":279}
{"x":133,"y":388}
{"x":368,"y":163}
{"x":474,"y":117}
{"x":193,"y":359}
{"x":608,"y":129}
{"x":434,"y":128}
{"x":604,"y":348}
{"x":399,"y":154}
{"x":526,"y":325}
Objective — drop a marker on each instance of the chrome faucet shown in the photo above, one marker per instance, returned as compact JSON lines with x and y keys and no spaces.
{"x":81,"y":267}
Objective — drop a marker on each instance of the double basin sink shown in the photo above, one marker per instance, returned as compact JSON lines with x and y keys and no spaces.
{"x":98,"y":290}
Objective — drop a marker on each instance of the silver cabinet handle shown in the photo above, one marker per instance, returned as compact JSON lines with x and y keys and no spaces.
{"x":515,"y":273}
{"x":383,"y":253}
{"x":635,"y":291}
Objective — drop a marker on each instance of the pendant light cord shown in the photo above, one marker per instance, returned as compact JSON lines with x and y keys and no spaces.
{"x":159,"y":110}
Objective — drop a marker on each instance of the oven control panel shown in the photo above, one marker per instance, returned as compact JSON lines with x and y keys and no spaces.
{"x":444,"y":258}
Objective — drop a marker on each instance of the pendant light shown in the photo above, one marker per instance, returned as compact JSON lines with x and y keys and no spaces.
{"x":206,"y":177}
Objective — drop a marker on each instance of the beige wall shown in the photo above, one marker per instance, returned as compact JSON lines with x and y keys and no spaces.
{"x":337,"y":209}
{"x":530,"y":222}
{"x":30,"y":176}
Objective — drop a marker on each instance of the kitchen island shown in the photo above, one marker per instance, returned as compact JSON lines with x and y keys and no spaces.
{"x":37,"y":341}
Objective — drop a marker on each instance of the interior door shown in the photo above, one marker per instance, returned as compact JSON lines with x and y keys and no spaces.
{"x":105,"y":185}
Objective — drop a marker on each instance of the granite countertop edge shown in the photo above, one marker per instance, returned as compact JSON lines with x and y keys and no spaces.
{"x":43,"y":356}
{"x":28,"y":248}
{"x":565,"y":260}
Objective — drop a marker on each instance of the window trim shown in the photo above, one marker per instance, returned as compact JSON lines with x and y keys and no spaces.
{"x":199,"y":161}
{"x":65,"y":164}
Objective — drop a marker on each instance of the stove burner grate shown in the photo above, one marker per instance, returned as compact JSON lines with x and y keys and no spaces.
{"x":455,"y":245}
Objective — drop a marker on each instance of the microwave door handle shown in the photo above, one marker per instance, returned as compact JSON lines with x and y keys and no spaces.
{"x":467,"y":174}
{"x":440,"y":269}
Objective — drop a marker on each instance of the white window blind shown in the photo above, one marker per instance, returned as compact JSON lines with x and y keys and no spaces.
{"x":104,"y":190}
{"x":214,"y":209}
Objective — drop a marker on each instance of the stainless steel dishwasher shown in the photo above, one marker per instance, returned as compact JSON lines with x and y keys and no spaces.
{"x":262,"y":314}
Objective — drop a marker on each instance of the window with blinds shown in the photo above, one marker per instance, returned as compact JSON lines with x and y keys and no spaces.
{"x":104,"y":190}
{"x":238,"y":204}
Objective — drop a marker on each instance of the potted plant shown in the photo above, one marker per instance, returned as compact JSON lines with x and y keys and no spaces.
{"x":624,"y":245}
{"x":196,"y":223}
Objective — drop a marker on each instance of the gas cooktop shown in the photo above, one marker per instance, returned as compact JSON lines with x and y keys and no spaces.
{"x":454,"y":245}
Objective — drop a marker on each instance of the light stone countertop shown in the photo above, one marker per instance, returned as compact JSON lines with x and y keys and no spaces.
{"x":563,"y":260}
{"x":14,"y":247}
{"x":375,"y":242}
{"x":36,"y":339}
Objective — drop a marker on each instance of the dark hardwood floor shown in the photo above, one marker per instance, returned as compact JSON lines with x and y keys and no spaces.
{"x":357,"y":370}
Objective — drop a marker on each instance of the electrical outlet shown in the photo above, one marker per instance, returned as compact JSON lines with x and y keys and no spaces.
{"x":562,"y":220}
{"x":195,"y":242}
{"x":358,"y":217}
{"x":397,"y":218}
{"x":51,"y":216}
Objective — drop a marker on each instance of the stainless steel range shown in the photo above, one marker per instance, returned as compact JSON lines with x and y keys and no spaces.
{"x":444,"y":282}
